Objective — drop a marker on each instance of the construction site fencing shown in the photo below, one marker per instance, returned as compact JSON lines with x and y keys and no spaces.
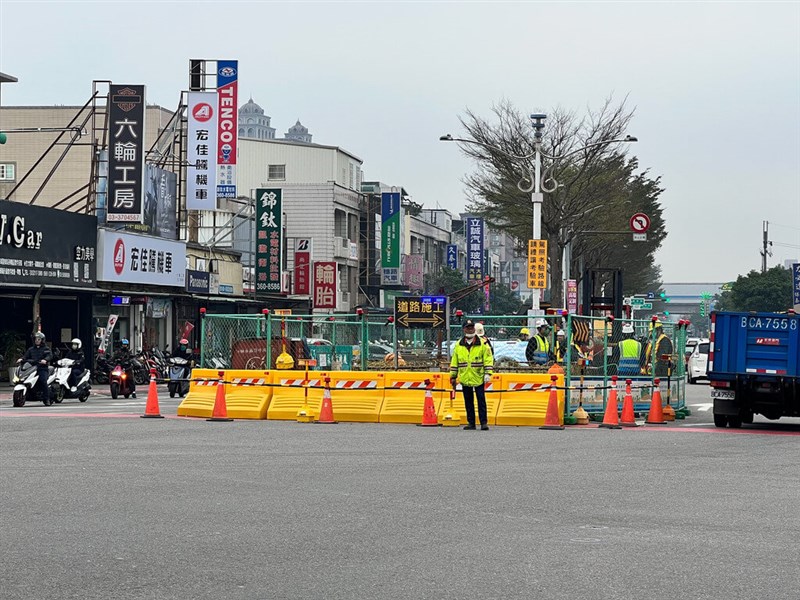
{"x":589,"y":351}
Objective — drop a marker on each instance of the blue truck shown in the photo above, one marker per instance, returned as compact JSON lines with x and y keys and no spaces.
{"x":754,"y":366}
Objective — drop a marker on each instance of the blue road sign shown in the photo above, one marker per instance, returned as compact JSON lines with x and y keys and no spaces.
{"x":651,"y":295}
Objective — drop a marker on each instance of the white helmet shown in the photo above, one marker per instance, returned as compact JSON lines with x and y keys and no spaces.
{"x":76,"y":344}
{"x":540,"y":323}
{"x":627,"y":328}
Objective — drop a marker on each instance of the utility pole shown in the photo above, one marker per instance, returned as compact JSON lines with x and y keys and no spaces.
{"x":765,"y":249}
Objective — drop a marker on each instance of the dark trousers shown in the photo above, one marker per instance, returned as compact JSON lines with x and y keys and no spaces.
{"x":469,"y":403}
{"x":41,"y":388}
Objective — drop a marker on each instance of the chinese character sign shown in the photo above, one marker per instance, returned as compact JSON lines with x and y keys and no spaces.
{"x":421,"y":312}
{"x":796,"y":286}
{"x":572,"y":295}
{"x":452,"y":256}
{"x":537,"y":264}
{"x":227,"y":127}
{"x":412,"y":276}
{"x":474,"y":236}
{"x":325,"y":285}
{"x":269,"y":242}
{"x":390,"y":237}
{"x":201,"y":151}
{"x":126,"y":153}
{"x":302,"y":266}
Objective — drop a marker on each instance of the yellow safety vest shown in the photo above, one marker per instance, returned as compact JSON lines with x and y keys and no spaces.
{"x":471,"y":362}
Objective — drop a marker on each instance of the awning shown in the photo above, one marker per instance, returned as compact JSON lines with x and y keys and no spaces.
{"x":49,"y":288}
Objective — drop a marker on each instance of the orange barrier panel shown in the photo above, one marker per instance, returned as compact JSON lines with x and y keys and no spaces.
{"x":246,"y":396}
{"x":404,"y":396}
{"x":524,"y":397}
{"x":492,"y":402}
{"x":288,"y":393}
{"x":199,"y":402}
{"x":357,"y":395}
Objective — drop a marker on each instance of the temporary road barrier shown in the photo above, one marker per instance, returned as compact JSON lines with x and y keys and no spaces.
{"x":404,"y":396}
{"x":288,"y":393}
{"x":357,"y":396}
{"x":246,"y":393}
{"x":524,"y":398}
{"x":199,"y":402}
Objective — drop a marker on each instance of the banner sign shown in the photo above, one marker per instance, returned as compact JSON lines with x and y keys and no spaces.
{"x":127,"y":258}
{"x":126,"y":108}
{"x":474,"y":249}
{"x":452,"y":256}
{"x":796,"y":286}
{"x":46,"y":246}
{"x":227,"y":127}
{"x":325,"y":284}
{"x":112,"y":320}
{"x":197,"y":282}
{"x":201,"y":151}
{"x":537,"y":264}
{"x":302,"y":266}
{"x":269,"y":254}
{"x":159,"y":217}
{"x":412,"y":276}
{"x":390,"y":237}
{"x":421,"y":312}
{"x":572,"y":295}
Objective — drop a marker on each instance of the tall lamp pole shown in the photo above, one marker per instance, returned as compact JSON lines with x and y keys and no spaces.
{"x":536,"y":187}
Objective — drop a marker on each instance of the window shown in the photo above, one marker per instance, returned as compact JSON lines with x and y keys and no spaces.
{"x":7,"y":171}
{"x":703,"y":348}
{"x":352,"y":176}
{"x":276,"y":172}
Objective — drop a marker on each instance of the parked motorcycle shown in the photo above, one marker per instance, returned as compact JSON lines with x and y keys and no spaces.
{"x":101,"y":370}
{"x":179,"y":373}
{"x":26,"y":375}
{"x":60,"y":387}
{"x":120,"y":382}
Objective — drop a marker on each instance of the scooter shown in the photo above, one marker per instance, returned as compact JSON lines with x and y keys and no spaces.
{"x":25,"y":378}
{"x":179,"y":372}
{"x":61,"y":388}
{"x":120,"y":384}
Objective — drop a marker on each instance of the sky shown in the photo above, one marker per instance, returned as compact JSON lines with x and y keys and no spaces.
{"x":715,"y":88}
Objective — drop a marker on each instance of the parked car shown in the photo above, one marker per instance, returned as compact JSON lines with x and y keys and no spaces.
{"x":698,"y":362}
{"x":691,"y":343}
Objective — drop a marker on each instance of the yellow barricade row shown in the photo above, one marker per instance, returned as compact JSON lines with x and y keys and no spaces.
{"x":246,"y":396}
{"x":524,"y":397}
{"x":288,"y":393}
{"x":404,"y":396}
{"x":199,"y":402}
{"x":357,"y":395}
{"x":492,"y":402}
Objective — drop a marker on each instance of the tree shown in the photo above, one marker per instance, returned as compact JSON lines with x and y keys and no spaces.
{"x":770,"y":291}
{"x":503,"y":301}
{"x":447,"y":281}
{"x":597,"y":190}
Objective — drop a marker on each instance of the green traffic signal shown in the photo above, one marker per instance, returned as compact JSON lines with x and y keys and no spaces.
{"x":666,"y":313}
{"x":3,"y":138}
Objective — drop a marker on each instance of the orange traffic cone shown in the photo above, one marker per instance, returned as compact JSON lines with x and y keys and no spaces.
{"x":326,"y":412}
{"x":429,"y":418}
{"x":220,"y":412}
{"x":628,"y":418}
{"x":551,"y":418}
{"x":151,"y":410}
{"x":656,"y":414}
{"x":611,"y":418}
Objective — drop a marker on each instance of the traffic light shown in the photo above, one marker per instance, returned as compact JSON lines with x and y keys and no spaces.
{"x":666,"y":313}
{"x":703,"y":309}
{"x":3,"y":138}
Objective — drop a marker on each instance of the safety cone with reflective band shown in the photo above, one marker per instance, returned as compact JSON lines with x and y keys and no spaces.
{"x":551,"y":418}
{"x":628,"y":417}
{"x":429,"y":418}
{"x":326,"y":412}
{"x":151,"y":410}
{"x":451,"y":418}
{"x":611,"y":417}
{"x":220,"y":412}
{"x":656,"y":414}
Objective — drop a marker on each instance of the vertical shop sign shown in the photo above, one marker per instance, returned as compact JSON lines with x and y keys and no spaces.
{"x":572,"y":295}
{"x":227,"y":127}
{"x":474,"y":249}
{"x":269,"y":249}
{"x":537,"y":264}
{"x":390,"y":237}
{"x":412,"y":276}
{"x":126,"y":157}
{"x":302,"y":266}
{"x":452,"y":256}
{"x":325,"y":284}
{"x":201,"y":152}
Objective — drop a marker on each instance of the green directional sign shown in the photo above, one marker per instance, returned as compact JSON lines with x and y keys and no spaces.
{"x":637,"y":302}
{"x":646,"y":306}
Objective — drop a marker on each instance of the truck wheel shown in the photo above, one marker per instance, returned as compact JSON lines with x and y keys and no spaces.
{"x":734,"y":422}
{"x":720,"y":420}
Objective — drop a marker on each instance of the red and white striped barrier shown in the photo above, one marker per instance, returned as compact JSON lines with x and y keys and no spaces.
{"x":356,"y":384}
{"x":207,"y":382}
{"x":515,"y":387}
{"x":408,"y":385}
{"x":299,"y":382}
{"x":248,"y":381}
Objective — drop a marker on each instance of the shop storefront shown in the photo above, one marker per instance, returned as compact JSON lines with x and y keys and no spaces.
{"x":47,"y":276}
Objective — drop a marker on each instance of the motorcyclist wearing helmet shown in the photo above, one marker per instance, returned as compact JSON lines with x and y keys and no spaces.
{"x":184,"y":351}
{"x":40,"y":355}
{"x":124,"y":358}
{"x":75,"y":354}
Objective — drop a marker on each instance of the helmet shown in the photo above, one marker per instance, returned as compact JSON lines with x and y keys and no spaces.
{"x":561,"y":333}
{"x":524,"y":331}
{"x":124,"y":342}
{"x":627,"y":328}
{"x":540,"y":323}
{"x":38,"y":336}
{"x":479,"y":329}
{"x":184,"y":341}
{"x":655,"y":323}
{"x":76,"y":344}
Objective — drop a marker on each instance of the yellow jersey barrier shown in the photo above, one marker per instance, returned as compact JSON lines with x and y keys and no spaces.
{"x":524,"y":397}
{"x":492,"y":402}
{"x":288,"y":393}
{"x":199,"y":402}
{"x":247,"y":395}
{"x":356,"y":395}
{"x":404,"y":396}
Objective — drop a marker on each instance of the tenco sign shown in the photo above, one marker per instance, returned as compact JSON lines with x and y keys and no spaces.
{"x":46,"y":246}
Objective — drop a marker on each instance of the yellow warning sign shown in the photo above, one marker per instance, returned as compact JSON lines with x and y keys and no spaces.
{"x":537,"y":264}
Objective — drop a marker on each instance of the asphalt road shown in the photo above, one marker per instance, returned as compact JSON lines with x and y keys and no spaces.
{"x":113,"y":506}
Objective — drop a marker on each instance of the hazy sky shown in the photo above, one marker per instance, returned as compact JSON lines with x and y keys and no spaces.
{"x":716,"y":88}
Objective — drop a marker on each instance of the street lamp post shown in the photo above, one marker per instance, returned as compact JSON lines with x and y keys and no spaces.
{"x":538,"y":181}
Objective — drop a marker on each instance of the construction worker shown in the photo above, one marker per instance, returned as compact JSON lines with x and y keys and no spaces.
{"x":538,"y":351}
{"x":560,"y":346}
{"x":628,"y":353}
{"x":524,"y":334}
{"x":472,"y":365}
{"x":481,"y":333}
{"x":658,"y":351}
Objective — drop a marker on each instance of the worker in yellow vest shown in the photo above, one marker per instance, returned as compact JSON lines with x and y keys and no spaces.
{"x":658,"y":351}
{"x":472,"y":366}
{"x":629,"y":353}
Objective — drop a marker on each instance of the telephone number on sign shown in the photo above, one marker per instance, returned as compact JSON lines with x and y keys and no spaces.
{"x":772,"y":323}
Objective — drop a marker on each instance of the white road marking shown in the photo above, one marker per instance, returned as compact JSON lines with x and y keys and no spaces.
{"x":703,"y":407}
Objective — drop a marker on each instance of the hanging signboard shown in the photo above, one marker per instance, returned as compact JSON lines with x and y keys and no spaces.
{"x":452,"y":256}
{"x":325,"y":284}
{"x":537,"y":264}
{"x":390,"y":237}
{"x":126,"y":109}
{"x":227,"y":127}
{"x":474,"y":249}
{"x":412,"y":275}
{"x":269,"y":247}
{"x":127,"y":258}
{"x":572,"y":295}
{"x":201,"y":151}
{"x":302,"y":266}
